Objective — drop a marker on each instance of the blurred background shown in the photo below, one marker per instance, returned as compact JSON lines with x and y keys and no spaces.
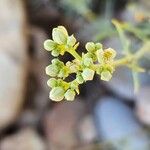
{"x":106,"y":115}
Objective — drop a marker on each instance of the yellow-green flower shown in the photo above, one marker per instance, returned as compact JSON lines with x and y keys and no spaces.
{"x":109,"y":54}
{"x":60,"y":35}
{"x":94,"y":60}
{"x":71,"y":41}
{"x":106,"y":56}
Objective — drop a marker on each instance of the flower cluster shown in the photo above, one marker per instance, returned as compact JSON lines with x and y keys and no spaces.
{"x":61,"y":41}
{"x":96,"y":60}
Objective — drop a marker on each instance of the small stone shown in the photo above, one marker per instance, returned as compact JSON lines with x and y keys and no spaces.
{"x":39,"y":60}
{"x":13,"y":39}
{"x":87,"y":130}
{"x":122,"y":83}
{"x":26,"y":139}
{"x":117,"y":124}
{"x":143,"y":105}
{"x":60,"y":124}
{"x":13,"y":60}
{"x":29,"y":118}
{"x":12,"y":88}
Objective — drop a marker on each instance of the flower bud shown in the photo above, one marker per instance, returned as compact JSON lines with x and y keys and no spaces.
{"x":55,"y":52}
{"x":63,"y":29}
{"x":59,"y":35}
{"x":100,"y":56}
{"x":52,"y":82}
{"x":98,"y":46}
{"x":75,"y":86}
{"x":52,"y":70}
{"x":63,"y":73}
{"x":69,"y":95}
{"x":71,"y":40}
{"x":79,"y":79}
{"x":49,"y":45}
{"x":106,"y":75}
{"x":90,"y":46}
{"x":57,"y":62}
{"x":57,"y":94}
{"x":87,"y":61}
{"x":88,"y":74}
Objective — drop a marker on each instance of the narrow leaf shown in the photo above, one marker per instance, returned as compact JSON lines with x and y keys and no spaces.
{"x":135,"y":81}
{"x":125,"y":42}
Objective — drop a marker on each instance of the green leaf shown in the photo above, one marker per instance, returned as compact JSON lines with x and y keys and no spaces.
{"x":136,"y":82}
{"x":125,"y":42}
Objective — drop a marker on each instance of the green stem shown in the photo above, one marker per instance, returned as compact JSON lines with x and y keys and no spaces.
{"x":74,"y":54}
{"x":135,"y":31}
{"x":143,"y":50}
{"x":122,"y":61}
{"x":133,"y":57}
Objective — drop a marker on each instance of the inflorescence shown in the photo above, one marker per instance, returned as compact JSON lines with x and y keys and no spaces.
{"x":96,"y":61}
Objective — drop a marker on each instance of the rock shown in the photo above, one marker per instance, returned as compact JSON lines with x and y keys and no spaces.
{"x":26,"y":139}
{"x":61,"y":125}
{"x":117,"y":124}
{"x":39,"y":61}
{"x":12,"y":79}
{"x":29,"y":118}
{"x":143,"y":105}
{"x":87,"y":131}
{"x":13,"y":28}
{"x":122,"y":83}
{"x":13,"y":60}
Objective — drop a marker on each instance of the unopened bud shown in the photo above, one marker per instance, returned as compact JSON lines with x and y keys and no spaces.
{"x":52,"y":70}
{"x":57,"y":94}
{"x":71,"y":40}
{"x":90,"y":46}
{"x":59,"y":35}
{"x":69,"y":95}
{"x":49,"y":45}
{"x":88,"y":74}
{"x":52,"y":82}
{"x":106,"y":75}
